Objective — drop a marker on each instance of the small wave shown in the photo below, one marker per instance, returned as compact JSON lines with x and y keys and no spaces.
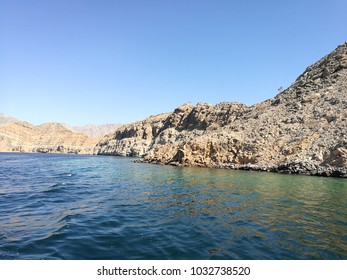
{"x":59,"y":175}
{"x":58,"y":184}
{"x":54,"y":187}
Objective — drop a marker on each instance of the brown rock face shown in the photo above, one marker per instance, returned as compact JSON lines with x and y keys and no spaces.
{"x":45,"y":138}
{"x":302,"y":130}
{"x":133,"y":139}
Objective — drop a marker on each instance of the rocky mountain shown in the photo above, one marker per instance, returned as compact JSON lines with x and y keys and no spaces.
{"x":301,"y":130}
{"x":21,"y":136}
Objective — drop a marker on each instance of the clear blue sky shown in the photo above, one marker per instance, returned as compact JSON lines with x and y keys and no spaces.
{"x":103,"y":61}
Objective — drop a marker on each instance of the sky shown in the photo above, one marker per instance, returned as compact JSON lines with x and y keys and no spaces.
{"x":111,"y":61}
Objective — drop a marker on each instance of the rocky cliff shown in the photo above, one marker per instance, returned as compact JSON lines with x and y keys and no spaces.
{"x":302,"y":130}
{"x":21,"y":136}
{"x":133,"y":139}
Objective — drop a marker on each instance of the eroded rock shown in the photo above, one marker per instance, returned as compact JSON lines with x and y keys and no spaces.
{"x":302,"y":130}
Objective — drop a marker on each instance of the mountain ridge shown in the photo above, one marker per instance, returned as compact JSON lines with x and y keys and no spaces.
{"x":301,"y":130}
{"x":45,"y":138}
{"x":50,"y":137}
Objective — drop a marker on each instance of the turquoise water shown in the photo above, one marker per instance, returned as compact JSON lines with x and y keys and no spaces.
{"x":95,"y":207}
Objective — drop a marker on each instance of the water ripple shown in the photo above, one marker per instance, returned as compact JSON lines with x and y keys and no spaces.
{"x":87,"y":207}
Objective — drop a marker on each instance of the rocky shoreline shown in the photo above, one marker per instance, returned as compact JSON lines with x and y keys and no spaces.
{"x":300,"y":131}
{"x":299,"y":168}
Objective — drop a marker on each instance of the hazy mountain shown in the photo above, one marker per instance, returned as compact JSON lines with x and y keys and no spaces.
{"x":45,"y":138}
{"x":21,"y":136}
{"x":6,"y":119}
{"x":96,"y":130}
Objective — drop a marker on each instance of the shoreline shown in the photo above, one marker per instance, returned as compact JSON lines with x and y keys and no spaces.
{"x":291,"y":168}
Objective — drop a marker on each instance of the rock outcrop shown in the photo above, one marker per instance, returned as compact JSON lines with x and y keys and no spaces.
{"x":302,"y":130}
{"x":133,"y":139}
{"x":46,"y":138}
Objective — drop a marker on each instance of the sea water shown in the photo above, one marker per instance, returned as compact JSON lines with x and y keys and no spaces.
{"x":98,"y":207}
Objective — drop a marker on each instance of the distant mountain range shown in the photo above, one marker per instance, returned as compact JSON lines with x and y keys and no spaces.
{"x":6,"y":119}
{"x":21,"y":136}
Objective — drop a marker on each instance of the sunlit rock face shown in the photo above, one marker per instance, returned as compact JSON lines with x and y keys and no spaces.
{"x":301,"y":130}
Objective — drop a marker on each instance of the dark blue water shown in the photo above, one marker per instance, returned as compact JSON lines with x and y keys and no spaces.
{"x":94,"y":207}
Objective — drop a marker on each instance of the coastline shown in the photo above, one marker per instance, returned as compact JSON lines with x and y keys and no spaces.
{"x":302,"y":130}
{"x":292,"y":168}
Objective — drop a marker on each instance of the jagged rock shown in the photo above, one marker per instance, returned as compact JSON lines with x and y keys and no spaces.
{"x":302,"y":130}
{"x":132,"y":139}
